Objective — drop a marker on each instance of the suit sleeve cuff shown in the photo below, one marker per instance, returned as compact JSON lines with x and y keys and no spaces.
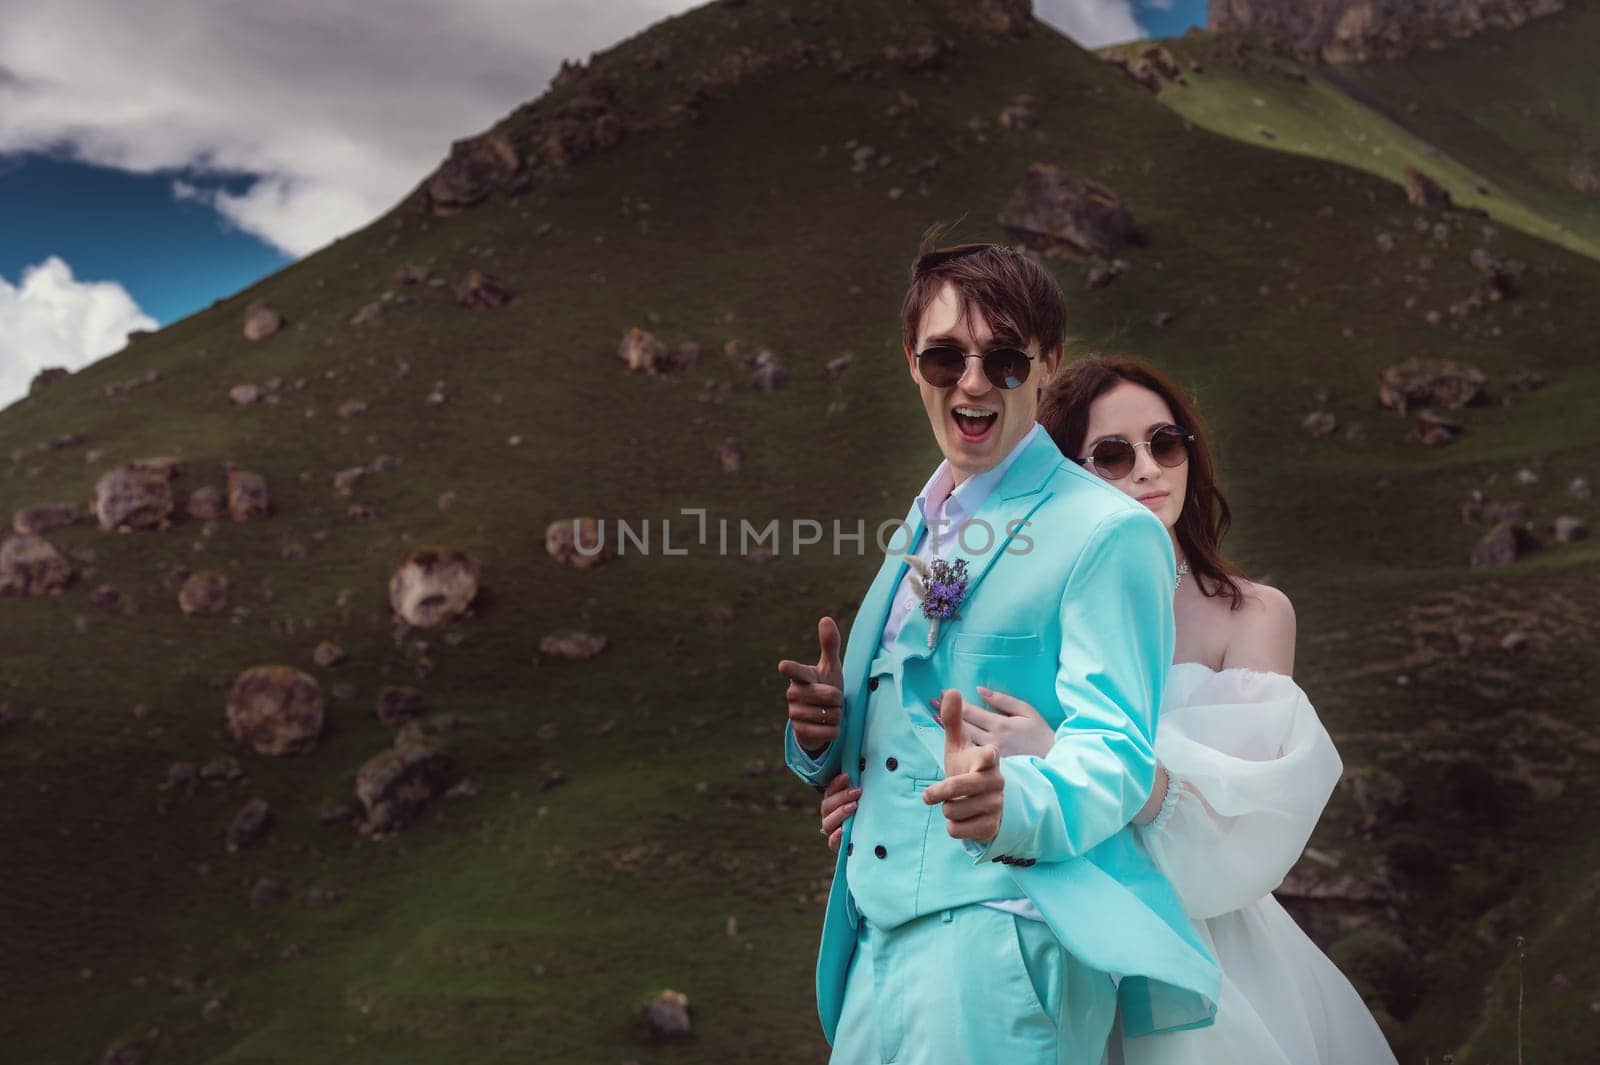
{"x":814,"y":771}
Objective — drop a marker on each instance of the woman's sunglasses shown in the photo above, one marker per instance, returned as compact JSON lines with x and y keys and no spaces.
{"x":1113,"y":457}
{"x":942,"y":366}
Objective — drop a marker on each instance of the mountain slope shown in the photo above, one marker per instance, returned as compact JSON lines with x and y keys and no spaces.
{"x":1506,"y":122}
{"x":529,"y":920}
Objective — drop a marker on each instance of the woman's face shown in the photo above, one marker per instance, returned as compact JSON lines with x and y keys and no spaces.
{"x":1133,"y":412}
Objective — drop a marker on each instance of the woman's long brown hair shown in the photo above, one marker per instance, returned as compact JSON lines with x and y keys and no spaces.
{"x":1204,"y":519}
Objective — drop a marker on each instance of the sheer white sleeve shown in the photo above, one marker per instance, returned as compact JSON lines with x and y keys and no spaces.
{"x":1250,"y":770}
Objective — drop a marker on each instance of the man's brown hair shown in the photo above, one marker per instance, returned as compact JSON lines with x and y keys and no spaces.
{"x":1017,"y":296}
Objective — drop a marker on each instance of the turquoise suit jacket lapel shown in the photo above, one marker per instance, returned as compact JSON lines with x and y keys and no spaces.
{"x":1020,"y":492}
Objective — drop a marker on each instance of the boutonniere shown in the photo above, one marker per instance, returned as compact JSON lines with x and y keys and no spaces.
{"x":941,"y":586}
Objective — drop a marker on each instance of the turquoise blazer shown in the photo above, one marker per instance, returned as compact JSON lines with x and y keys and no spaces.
{"x":1072,"y":612}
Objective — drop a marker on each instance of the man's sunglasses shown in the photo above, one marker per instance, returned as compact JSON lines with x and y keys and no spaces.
{"x":1113,"y":457}
{"x":942,"y":366}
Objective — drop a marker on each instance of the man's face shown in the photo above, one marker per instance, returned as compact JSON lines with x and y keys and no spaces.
{"x":975,"y":423}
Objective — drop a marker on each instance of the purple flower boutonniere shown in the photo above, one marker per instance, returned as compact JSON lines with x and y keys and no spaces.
{"x":941,"y":586}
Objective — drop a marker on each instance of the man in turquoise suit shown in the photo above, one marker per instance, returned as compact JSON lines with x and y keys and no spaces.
{"x":989,"y":909}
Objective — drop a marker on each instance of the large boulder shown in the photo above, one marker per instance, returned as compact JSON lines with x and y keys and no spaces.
{"x":277,"y":710}
{"x":434,"y":585}
{"x":30,"y":565}
{"x":476,"y":167}
{"x":1051,"y":209}
{"x":133,"y":497}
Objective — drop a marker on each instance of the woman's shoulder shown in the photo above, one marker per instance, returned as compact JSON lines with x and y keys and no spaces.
{"x":1262,"y":630}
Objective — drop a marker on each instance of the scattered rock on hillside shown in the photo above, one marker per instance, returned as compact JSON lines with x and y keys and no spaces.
{"x":42,"y":517}
{"x":573,"y":645}
{"x":1420,"y":382}
{"x":1503,"y":545}
{"x":480,"y":291}
{"x":1052,"y":209}
{"x":766,"y":372}
{"x":247,"y":495}
{"x":1433,"y":430}
{"x":206,"y":503}
{"x":345,"y":480}
{"x":1579,"y":489}
{"x":1583,"y":177}
{"x":266,"y":892}
{"x":133,"y":497}
{"x":577,"y":542}
{"x":261,"y":320}
{"x":433,"y":586}
{"x":1423,"y":191}
{"x":30,"y":565}
{"x":1149,"y":66}
{"x":277,"y":710}
{"x":836,"y":366}
{"x":244,"y":395}
{"x":1568,"y":529}
{"x":640,"y":350}
{"x":249,"y":824}
{"x":8,"y":718}
{"x":667,"y":1016}
{"x":731,"y":455}
{"x":393,"y":785}
{"x":46,"y":377}
{"x":408,"y":275}
{"x":475,"y":167}
{"x":1103,"y":272}
{"x":997,"y":16}
{"x":327,"y":653}
{"x":367,"y":314}
{"x":399,"y":702}
{"x":1019,"y":113}
{"x":922,"y":50}
{"x":1319,"y":423}
{"x":204,"y":594}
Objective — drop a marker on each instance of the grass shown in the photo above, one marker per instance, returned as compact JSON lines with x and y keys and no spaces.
{"x":523,"y":923}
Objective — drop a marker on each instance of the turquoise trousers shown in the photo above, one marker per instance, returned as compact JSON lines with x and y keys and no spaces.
{"x":971,"y":986}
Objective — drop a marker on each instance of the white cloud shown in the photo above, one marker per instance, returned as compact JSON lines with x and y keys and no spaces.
{"x":337,"y":109}
{"x":1092,"y":23}
{"x":52,"y":319}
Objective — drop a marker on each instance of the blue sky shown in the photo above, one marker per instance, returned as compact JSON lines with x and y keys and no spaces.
{"x":167,"y":169}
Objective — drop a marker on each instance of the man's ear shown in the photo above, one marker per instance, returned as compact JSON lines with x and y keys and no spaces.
{"x":911,"y":360}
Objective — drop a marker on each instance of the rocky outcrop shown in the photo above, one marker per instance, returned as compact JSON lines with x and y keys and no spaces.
{"x":1355,"y":31}
{"x":1051,"y":209}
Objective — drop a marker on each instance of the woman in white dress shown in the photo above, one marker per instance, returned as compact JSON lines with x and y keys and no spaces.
{"x":1244,"y":765}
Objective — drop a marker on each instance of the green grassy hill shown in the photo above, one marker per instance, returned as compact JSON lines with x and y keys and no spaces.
{"x":1508,"y":122}
{"x":527,"y":922}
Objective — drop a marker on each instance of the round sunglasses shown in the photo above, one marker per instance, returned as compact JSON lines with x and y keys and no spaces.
{"x":1113,"y":458}
{"x":942,"y":366}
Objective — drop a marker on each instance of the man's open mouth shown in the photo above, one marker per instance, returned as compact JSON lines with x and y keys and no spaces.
{"x":974,"y":423}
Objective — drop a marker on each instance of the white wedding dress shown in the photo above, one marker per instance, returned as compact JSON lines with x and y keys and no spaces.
{"x":1250,"y":769}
